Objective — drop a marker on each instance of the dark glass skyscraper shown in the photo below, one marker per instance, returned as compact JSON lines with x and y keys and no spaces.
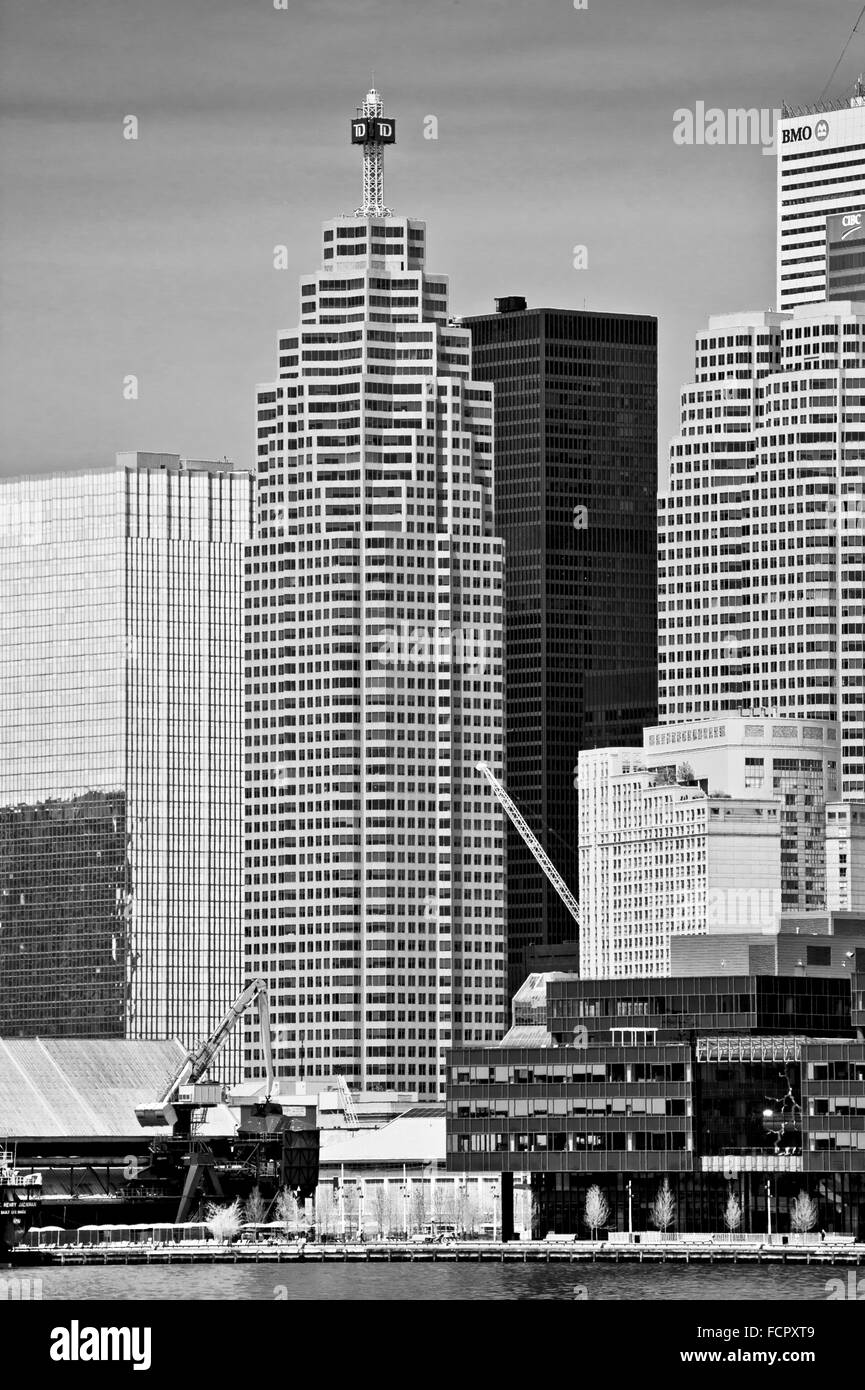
{"x":575,"y":482}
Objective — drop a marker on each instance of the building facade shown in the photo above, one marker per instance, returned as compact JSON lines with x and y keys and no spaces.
{"x":845,"y":255}
{"x":753,"y":1085}
{"x":761,"y":541}
{"x":821,"y":172}
{"x":710,"y":827}
{"x":120,"y":771}
{"x":575,"y":483}
{"x":374,"y":848}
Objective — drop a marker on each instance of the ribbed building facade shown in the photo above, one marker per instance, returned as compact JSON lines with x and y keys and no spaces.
{"x":761,"y":532}
{"x":374,"y":848}
{"x":120,"y":770}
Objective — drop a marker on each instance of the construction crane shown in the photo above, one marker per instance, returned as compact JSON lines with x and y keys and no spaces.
{"x":531,"y":840}
{"x":186,"y":1092}
{"x":351,"y":1117}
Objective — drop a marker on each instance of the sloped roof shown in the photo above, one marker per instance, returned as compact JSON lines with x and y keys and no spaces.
{"x":526,"y":1035}
{"x":70,"y":1087}
{"x":403,"y":1140}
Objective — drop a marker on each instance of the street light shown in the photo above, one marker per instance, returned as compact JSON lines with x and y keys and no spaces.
{"x":769,"y":1208}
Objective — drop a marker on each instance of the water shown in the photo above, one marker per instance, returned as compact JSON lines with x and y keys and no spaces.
{"x":437,"y":1282}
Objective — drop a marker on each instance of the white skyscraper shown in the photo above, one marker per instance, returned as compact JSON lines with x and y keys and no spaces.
{"x":761,"y":540}
{"x":821,"y":171}
{"x":374,"y":893}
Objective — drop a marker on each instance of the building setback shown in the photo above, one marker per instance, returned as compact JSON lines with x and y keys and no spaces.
{"x":575,"y":483}
{"x":120,"y":769}
{"x":373,"y":898}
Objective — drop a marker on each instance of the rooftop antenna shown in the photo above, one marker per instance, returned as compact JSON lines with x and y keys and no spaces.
{"x":838,"y":64}
{"x":373,"y":130}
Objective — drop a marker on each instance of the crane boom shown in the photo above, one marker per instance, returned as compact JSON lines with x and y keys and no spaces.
{"x":200,"y":1058}
{"x":530,"y":839}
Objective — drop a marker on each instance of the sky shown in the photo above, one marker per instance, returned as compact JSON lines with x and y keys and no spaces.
{"x":154,"y":257}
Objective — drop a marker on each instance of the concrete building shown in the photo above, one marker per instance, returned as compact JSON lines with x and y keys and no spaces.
{"x":845,"y":857}
{"x":761,"y":539}
{"x":374,"y":849}
{"x":120,"y":768}
{"x":827,"y":944}
{"x":710,"y":827}
{"x":659,"y":856}
{"x":575,"y":484}
{"x":821,"y":172}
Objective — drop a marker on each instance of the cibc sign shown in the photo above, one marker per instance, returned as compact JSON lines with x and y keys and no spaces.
{"x":845,"y":226}
{"x":367,"y":130}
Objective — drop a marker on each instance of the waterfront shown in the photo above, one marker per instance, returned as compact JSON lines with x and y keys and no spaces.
{"x":439,"y":1282}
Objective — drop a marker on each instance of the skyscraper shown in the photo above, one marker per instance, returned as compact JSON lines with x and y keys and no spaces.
{"x":761,"y":543}
{"x":821,"y":172}
{"x":575,"y":484}
{"x":374,"y":897}
{"x":120,"y":767}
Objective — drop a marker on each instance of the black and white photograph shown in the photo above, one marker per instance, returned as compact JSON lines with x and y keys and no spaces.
{"x":432,"y":672}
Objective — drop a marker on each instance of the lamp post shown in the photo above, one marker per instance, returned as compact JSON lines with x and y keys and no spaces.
{"x":769,"y":1208}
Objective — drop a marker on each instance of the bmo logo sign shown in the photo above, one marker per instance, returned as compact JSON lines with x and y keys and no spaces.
{"x":796,"y":134}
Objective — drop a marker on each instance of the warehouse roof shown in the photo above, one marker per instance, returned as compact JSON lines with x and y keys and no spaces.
{"x":70,"y":1087}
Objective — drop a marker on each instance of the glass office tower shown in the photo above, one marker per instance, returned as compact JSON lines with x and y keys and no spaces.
{"x":575,"y":483}
{"x":120,"y":768}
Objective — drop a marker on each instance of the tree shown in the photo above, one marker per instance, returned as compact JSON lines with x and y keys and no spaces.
{"x":255,"y":1207}
{"x":733,"y":1212}
{"x":803,"y":1213}
{"x":597,"y":1210}
{"x":663,"y":1209}
{"x":324,"y":1211}
{"x":381,"y":1207}
{"x":418,"y":1205}
{"x":223,"y":1223}
{"x":685,"y":774}
{"x":287,"y":1210}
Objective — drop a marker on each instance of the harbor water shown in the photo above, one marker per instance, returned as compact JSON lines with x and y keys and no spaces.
{"x":440,"y":1282}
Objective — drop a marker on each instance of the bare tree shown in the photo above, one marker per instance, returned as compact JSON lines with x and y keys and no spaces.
{"x":597,"y":1210}
{"x":418,"y":1205}
{"x":733,"y":1212}
{"x":381,"y":1207}
{"x":803,"y":1213}
{"x":663,"y":1209}
{"x":255,"y":1207}
{"x":324,"y":1208}
{"x":287,"y":1210}
{"x":223,"y":1223}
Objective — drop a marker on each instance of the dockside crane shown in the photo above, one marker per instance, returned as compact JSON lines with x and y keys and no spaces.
{"x":528,"y":836}
{"x":268,"y":1150}
{"x":185,"y":1092}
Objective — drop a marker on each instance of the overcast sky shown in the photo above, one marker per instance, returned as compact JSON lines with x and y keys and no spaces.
{"x":155,"y":257}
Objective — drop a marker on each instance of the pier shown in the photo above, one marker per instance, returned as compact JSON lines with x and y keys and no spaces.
{"x":482,"y":1252}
